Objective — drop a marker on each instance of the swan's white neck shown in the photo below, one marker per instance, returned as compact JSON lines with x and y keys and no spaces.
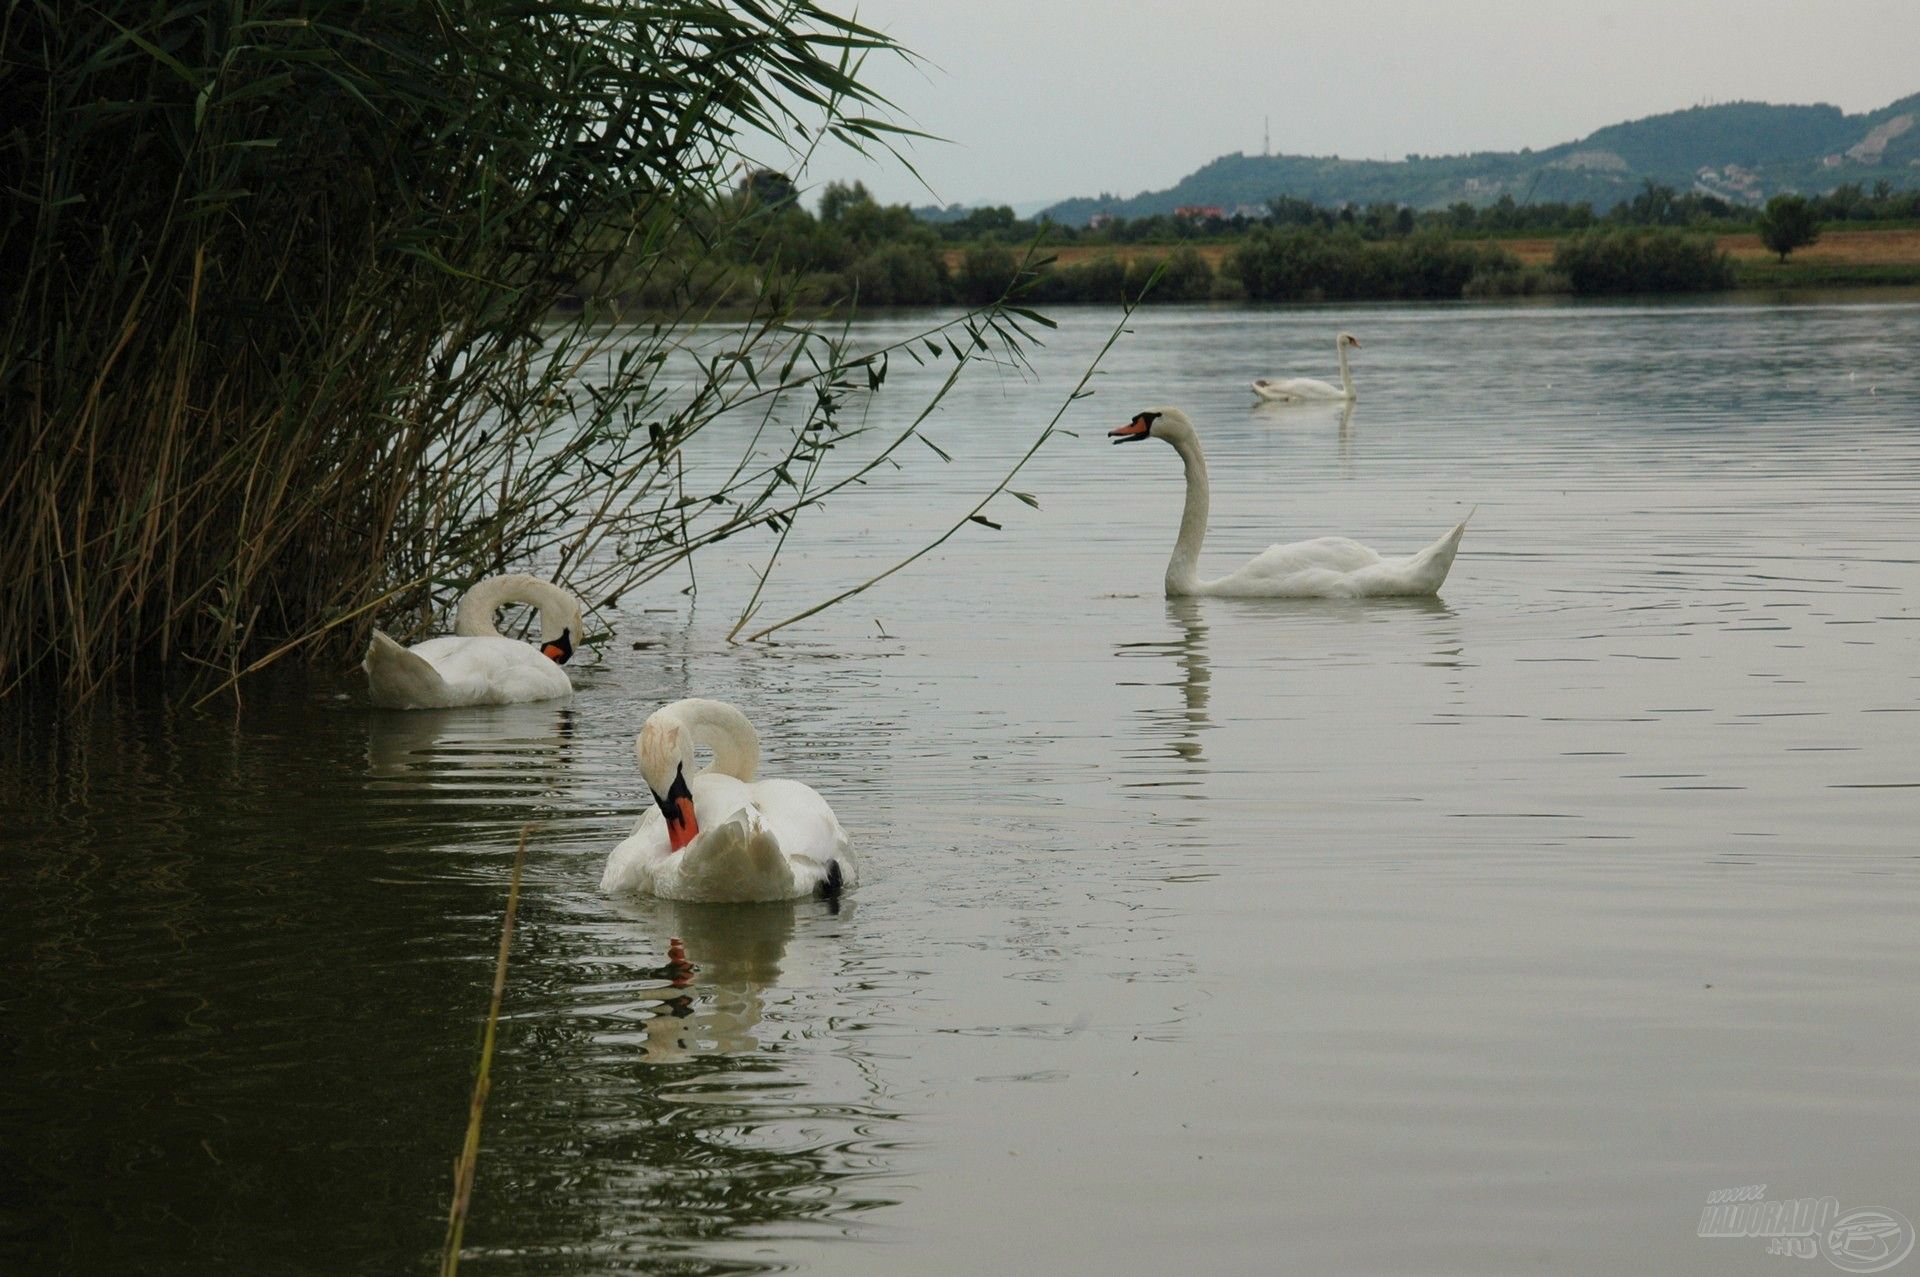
{"x":558,"y":609}
{"x":715,"y":724}
{"x":1346,"y":375}
{"x":1183,"y":573}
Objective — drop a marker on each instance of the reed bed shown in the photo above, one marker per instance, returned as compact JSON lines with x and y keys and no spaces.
{"x":282,"y":354}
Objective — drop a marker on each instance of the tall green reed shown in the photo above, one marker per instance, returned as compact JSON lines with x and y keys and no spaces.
{"x":281,"y":355}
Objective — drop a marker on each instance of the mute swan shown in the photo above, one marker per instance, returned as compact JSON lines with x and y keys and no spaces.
{"x":719,"y":835}
{"x":476,"y":664}
{"x":1325,"y":568}
{"x":1278,"y":388}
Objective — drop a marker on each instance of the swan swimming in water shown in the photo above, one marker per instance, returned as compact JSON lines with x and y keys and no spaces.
{"x":1282,"y":389}
{"x":718,"y":834}
{"x":1325,"y":568}
{"x":476,"y":664}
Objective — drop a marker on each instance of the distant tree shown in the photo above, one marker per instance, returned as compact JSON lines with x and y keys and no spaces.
{"x":1653,"y":206}
{"x":768,"y":187}
{"x":1789,"y":222}
{"x":840,"y":196}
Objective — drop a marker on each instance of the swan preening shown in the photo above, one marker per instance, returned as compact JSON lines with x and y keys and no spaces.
{"x":1326,"y":568}
{"x":718,"y":834}
{"x":1282,"y":389}
{"x":476,"y":664}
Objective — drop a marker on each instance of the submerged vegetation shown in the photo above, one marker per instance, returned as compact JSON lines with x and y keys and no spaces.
{"x":279,"y":349}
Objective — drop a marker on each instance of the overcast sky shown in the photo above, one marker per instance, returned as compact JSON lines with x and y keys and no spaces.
{"x":1044,"y":99}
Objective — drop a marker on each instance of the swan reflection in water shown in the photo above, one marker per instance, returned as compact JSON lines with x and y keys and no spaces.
{"x":1275,"y":412}
{"x":421,"y":743}
{"x":722,"y":962}
{"x":1181,"y":724}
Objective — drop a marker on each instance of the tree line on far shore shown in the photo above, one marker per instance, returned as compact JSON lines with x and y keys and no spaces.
{"x":852,"y":250}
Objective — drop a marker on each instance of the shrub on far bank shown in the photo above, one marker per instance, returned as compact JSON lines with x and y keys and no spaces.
{"x":1642,"y":261}
{"x":1101,"y":280}
{"x":1302,"y":264}
{"x":1186,"y":278}
{"x":984,"y":274}
{"x":899,"y":275}
{"x":1107,"y":280}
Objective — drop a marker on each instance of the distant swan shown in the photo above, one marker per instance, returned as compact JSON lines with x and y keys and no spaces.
{"x":476,"y":664}
{"x":717,"y":834}
{"x":1277,"y":388}
{"x":1326,"y":568}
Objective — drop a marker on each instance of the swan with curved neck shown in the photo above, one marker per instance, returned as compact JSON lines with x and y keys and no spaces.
{"x":717,"y":833}
{"x":1325,"y":568}
{"x":1281,"y":389}
{"x":476,"y":664}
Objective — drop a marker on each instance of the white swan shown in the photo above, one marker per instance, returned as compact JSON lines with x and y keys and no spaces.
{"x":1326,"y":568}
{"x":1285,"y":388}
{"x":717,"y":834}
{"x":476,"y":664}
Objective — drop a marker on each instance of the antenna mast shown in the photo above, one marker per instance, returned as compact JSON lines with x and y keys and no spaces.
{"x":1266,"y":138}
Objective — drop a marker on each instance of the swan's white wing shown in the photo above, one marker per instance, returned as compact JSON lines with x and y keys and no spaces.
{"x":1296,"y":388}
{"x":494,"y":671}
{"x":809,"y":833}
{"x":739,"y":859}
{"x":1420,"y":573}
{"x":646,"y":862}
{"x":400,"y":679}
{"x":1332,"y":554}
{"x":1336,"y":568}
{"x":1319,"y":569}
{"x":631,"y":866}
{"x":775,"y":840}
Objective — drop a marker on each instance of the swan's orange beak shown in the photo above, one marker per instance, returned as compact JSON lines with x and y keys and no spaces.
{"x":558,"y":650}
{"x":1135,"y":429}
{"x":683,"y":826}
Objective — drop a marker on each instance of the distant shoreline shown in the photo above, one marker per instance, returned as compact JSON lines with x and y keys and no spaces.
{"x":1851,"y":258}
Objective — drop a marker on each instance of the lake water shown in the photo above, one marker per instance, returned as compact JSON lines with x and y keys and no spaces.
{"x":1481,"y":935}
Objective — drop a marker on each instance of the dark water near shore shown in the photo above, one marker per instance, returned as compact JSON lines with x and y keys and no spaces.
{"x":1487,"y":934}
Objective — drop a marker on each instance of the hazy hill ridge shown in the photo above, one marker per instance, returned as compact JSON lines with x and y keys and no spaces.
{"x":1745,"y":151}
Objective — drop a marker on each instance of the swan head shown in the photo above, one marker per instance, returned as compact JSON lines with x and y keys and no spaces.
{"x":560,"y":627}
{"x":1348,"y":339}
{"x":665,"y":748}
{"x":1154,"y":423}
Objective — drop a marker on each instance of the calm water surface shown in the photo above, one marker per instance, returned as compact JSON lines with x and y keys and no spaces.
{"x":1481,"y":935}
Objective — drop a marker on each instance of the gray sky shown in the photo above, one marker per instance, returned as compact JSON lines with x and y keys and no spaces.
{"x":1043,"y":99}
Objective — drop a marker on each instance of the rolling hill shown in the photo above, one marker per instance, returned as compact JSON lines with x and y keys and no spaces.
{"x":1742,"y":151}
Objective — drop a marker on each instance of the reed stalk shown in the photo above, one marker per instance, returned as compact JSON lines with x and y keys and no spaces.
{"x":975,"y":515}
{"x":463,"y":1165}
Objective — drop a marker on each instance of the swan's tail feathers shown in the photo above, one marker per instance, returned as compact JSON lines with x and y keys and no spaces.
{"x":399,"y":679}
{"x":1429,"y":568}
{"x":739,"y":859}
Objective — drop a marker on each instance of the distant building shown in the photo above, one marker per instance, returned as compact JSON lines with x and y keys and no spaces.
{"x":1102,"y":218}
{"x":1198,"y":212}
